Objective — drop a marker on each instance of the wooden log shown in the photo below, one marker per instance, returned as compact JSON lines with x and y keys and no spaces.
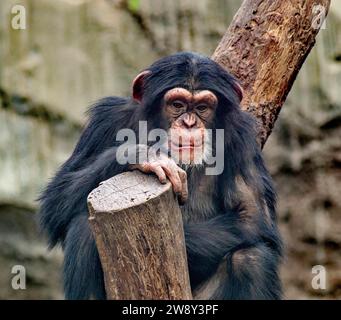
{"x":138,"y":230}
{"x":265,"y":47}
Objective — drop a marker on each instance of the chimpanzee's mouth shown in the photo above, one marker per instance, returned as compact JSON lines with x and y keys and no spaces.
{"x":180,"y":146}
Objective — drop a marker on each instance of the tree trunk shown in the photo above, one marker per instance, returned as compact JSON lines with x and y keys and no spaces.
{"x":138,"y":229}
{"x":136,"y":220}
{"x":265,"y":47}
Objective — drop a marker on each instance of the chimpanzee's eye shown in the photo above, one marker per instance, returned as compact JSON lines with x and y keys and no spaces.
{"x":201,"y":108}
{"x":178,"y":104}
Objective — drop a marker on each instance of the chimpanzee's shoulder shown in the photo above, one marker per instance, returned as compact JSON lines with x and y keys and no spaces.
{"x":108,"y":104}
{"x":110,"y":108}
{"x":113,"y":101}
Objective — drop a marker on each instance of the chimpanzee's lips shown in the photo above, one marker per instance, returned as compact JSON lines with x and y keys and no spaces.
{"x":184,"y":146}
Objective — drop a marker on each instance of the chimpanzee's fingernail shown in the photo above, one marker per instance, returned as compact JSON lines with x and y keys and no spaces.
{"x":181,"y":201}
{"x":180,"y":198}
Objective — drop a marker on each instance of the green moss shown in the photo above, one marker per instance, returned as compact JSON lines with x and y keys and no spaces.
{"x":133,"y":5}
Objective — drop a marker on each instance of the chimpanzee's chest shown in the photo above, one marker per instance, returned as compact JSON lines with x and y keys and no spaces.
{"x":202,"y":202}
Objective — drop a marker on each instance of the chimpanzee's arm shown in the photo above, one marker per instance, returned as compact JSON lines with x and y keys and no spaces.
{"x":228,"y":261}
{"x":208,"y":242}
{"x":63,"y":205}
{"x":236,"y":255}
{"x":252,"y":274}
{"x":83,"y":275}
{"x":66,"y":196}
{"x":247,"y":274}
{"x":93,"y":160}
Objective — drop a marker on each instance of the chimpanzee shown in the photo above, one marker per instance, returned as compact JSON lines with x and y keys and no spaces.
{"x":232,"y":240}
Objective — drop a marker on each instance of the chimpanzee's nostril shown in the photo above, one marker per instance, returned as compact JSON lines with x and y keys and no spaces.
{"x":189,"y":121}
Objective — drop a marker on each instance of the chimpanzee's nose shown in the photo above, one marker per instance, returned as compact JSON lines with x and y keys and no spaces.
{"x":189,"y":120}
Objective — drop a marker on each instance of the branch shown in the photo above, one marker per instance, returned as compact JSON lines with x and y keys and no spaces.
{"x":265,"y":47}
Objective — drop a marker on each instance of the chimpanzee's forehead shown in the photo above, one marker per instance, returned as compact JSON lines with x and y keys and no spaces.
{"x":187,"y":64}
{"x":190,"y":71}
{"x":191,"y":96}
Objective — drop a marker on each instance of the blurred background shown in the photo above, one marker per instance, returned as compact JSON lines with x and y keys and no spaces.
{"x":73,"y":52}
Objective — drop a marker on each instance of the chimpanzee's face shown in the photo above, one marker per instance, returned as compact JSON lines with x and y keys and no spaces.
{"x":188,"y":115}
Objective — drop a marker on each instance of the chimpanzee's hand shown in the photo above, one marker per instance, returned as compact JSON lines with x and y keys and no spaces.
{"x":165,"y":167}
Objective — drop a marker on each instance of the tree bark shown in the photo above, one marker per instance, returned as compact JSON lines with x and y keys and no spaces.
{"x":265,"y":47}
{"x":138,"y":230}
{"x":135,"y":220}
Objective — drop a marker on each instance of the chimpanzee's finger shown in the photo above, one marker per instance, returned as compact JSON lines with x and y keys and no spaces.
{"x":173,"y":176}
{"x":160,"y":173}
{"x":184,"y":193}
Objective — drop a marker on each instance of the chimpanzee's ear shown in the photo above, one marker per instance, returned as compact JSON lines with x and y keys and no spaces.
{"x":138,"y":85}
{"x":239,"y":89}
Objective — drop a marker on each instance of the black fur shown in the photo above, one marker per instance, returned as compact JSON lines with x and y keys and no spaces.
{"x":215,"y":223}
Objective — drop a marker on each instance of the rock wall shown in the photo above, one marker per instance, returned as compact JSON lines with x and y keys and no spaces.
{"x":304,"y":154}
{"x":75,"y":51}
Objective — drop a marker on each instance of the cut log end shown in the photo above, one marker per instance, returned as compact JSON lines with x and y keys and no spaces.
{"x":124,"y":191}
